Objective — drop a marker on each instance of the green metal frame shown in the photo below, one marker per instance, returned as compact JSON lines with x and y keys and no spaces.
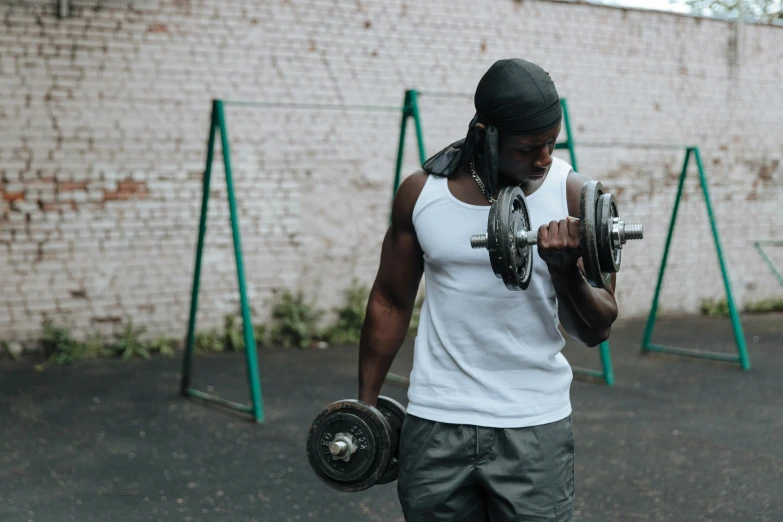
{"x":218,"y":124}
{"x":759,"y":245}
{"x":569,"y":142}
{"x":410,"y":109}
{"x":606,"y":372}
{"x":647,"y":346}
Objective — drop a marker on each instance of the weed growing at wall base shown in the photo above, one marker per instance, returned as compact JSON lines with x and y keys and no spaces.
{"x":130,"y":344}
{"x":350,"y":318}
{"x":414,"y":326}
{"x":5,"y":349}
{"x":714,"y":308}
{"x":720,"y":307}
{"x":231,"y":339}
{"x":295,"y":322}
{"x":765,"y":306}
{"x":61,"y":348}
{"x":164,"y":346}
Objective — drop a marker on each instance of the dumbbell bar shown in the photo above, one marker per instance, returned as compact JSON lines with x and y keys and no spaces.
{"x":621,"y":233}
{"x":509,"y":236}
{"x":352,"y":446}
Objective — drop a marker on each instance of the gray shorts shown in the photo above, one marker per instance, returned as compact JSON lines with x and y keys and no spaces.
{"x":451,"y":472}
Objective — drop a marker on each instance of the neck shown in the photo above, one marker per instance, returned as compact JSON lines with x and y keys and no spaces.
{"x":528,"y":187}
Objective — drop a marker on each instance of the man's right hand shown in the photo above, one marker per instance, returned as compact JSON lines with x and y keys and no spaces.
{"x":560,"y":244}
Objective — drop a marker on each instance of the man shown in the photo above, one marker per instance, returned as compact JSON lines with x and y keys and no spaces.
{"x":488,"y":436}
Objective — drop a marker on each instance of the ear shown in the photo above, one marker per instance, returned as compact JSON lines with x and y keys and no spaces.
{"x":478,"y":138}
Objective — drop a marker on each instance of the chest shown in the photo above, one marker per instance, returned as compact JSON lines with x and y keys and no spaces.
{"x":444,"y":228}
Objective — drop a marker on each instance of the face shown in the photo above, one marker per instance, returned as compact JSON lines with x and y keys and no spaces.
{"x":526,"y":159}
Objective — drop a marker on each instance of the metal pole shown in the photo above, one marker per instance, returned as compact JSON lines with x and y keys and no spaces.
{"x":767,"y":260}
{"x":247,"y":325}
{"x":603,"y":349}
{"x":190,"y":342}
{"x":735,"y":319}
{"x":569,"y":135}
{"x":648,"y":329}
{"x":606,"y":363}
{"x":414,"y":110}
{"x":401,"y":147}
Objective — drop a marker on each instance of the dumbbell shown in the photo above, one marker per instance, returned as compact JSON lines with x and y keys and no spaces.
{"x":352,"y":445}
{"x":509,"y":236}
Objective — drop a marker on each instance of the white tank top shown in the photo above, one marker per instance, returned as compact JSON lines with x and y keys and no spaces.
{"x":485,"y":355}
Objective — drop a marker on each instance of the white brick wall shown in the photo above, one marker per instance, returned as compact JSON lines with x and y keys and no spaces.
{"x":103,"y":126}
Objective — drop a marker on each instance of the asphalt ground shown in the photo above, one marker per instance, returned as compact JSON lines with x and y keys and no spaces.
{"x":676,"y":439}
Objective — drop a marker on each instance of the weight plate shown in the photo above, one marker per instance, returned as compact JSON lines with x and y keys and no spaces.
{"x":369,"y":430}
{"x":588,"y":206}
{"x":493,"y":233}
{"x":395,"y":414}
{"x":608,"y":250}
{"x":509,"y":214}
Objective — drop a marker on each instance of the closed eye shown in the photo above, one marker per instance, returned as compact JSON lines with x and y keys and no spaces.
{"x":534,"y":147}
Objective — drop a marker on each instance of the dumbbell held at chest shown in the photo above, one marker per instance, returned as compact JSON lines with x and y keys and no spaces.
{"x":621,"y":233}
{"x":510,"y":236}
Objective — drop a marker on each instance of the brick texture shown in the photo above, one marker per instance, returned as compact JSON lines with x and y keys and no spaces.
{"x":104,"y":120}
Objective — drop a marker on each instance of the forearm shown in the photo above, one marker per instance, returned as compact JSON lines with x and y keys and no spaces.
{"x":585,"y":312}
{"x":383,"y":332}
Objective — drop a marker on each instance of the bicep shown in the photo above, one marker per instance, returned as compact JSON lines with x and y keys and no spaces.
{"x":400,"y":270}
{"x":402,"y":260}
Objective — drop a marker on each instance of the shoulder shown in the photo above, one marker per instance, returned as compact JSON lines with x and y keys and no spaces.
{"x":410,"y":189}
{"x":405,"y":198}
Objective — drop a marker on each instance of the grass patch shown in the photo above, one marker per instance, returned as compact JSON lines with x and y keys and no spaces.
{"x":720,"y":307}
{"x":5,"y":349}
{"x":60,"y":347}
{"x":231,"y":338}
{"x":414,"y":326}
{"x":164,"y":346}
{"x":129,"y":343}
{"x":209,"y":341}
{"x":765,"y":306}
{"x":714,"y":308}
{"x":294,"y":322}
{"x":350,"y":318}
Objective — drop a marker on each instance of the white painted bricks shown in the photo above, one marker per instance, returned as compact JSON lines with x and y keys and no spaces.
{"x":105,"y":118}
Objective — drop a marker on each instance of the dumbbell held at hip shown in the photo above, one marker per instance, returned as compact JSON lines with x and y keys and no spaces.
{"x":352,"y":446}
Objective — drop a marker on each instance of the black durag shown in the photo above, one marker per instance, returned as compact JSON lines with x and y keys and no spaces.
{"x":515,"y":97}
